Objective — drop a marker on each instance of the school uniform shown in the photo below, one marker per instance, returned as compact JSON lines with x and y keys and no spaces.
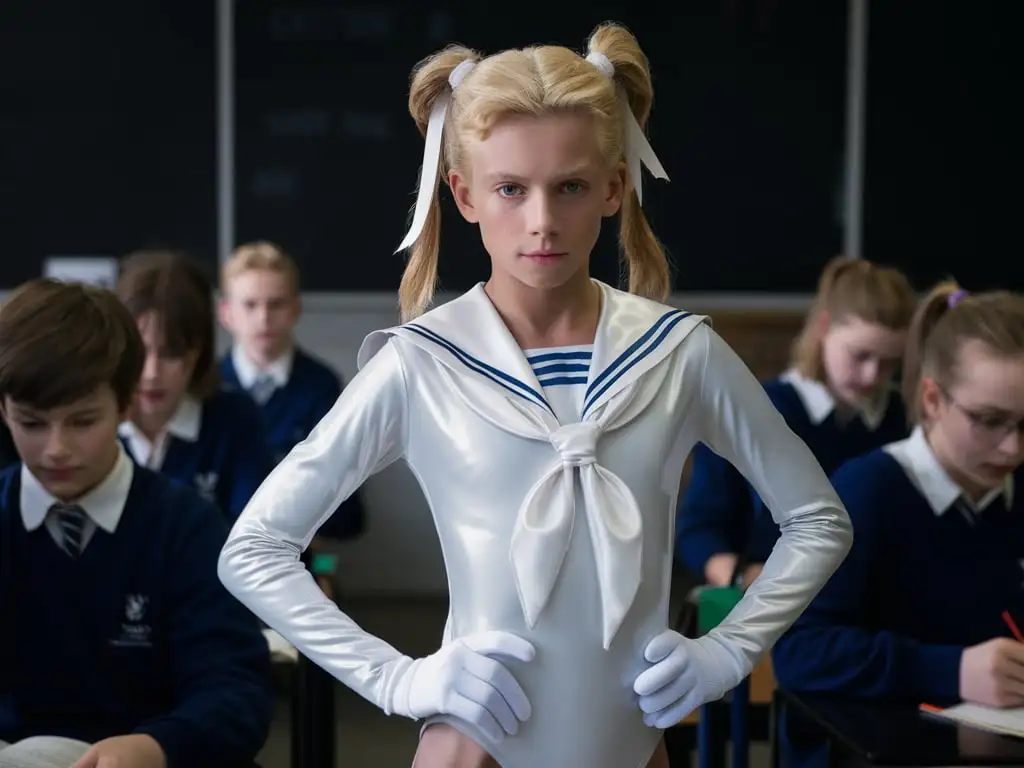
{"x":722,"y":513}
{"x":929,"y":574}
{"x":554,"y":514}
{"x":217,"y":446}
{"x":114,"y":622}
{"x":294,"y":392}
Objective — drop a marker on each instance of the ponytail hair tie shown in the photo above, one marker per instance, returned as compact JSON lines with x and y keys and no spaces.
{"x":638,"y":148}
{"x":956,"y":297}
{"x":432,"y":150}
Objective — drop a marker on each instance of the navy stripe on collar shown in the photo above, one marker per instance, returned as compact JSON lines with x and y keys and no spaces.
{"x":511,"y":383}
{"x":621,"y":365}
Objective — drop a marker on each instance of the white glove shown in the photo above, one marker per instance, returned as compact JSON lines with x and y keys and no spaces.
{"x":686,"y":673}
{"x":463,"y":680}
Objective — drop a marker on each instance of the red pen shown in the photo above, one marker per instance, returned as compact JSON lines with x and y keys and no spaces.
{"x":1013,"y":626}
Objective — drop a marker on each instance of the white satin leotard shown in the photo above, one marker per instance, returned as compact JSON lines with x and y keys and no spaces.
{"x":559,"y":533}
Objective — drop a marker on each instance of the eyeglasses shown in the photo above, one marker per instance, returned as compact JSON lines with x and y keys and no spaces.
{"x":990,"y":426}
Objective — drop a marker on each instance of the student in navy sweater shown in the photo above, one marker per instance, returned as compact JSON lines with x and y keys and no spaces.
{"x":260,"y":306}
{"x":183,"y":424}
{"x":838,"y":397}
{"x":914,"y":613}
{"x":116,"y":630}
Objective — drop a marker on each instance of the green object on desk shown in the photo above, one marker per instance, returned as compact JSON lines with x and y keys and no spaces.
{"x":324,"y":564}
{"x":714,"y":605}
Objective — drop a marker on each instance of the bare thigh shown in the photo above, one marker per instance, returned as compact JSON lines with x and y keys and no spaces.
{"x":660,"y":757}
{"x":442,"y":746}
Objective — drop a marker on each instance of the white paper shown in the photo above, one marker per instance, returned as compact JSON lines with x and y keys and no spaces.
{"x":43,"y":752}
{"x":281,"y":651}
{"x":1009,"y":722}
{"x":93,"y":270}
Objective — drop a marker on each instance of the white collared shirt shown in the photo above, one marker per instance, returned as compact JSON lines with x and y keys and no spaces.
{"x":819,"y":402}
{"x":184,"y":425}
{"x":103,"y":505}
{"x":918,"y":460}
{"x":279,"y":371}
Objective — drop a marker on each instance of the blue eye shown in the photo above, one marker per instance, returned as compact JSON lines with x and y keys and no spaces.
{"x":509,"y":190}
{"x":572,"y":187}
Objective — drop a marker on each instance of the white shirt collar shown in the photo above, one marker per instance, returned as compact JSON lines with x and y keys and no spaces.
{"x":187,"y":420}
{"x":918,"y":460}
{"x":104,"y":504}
{"x":185,"y":424}
{"x":819,"y":402}
{"x":279,"y":370}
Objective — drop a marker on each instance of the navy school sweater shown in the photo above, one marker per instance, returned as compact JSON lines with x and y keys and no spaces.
{"x":229,"y":460}
{"x":916,"y":589}
{"x":290,"y":415}
{"x":720,"y":512}
{"x":136,"y":636}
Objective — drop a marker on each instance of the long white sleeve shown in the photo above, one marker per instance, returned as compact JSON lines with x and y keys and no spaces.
{"x":259,"y":565}
{"x":741,"y":424}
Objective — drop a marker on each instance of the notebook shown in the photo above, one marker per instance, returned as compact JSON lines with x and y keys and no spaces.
{"x":1008,"y":722}
{"x":42,"y":752}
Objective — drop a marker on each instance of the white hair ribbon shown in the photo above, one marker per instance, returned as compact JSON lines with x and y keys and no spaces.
{"x":432,"y":154}
{"x":638,"y":149}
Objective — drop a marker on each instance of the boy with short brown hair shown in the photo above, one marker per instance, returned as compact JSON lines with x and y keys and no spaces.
{"x":117,"y":631}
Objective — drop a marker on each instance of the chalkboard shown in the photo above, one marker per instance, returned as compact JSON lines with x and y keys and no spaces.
{"x":942,"y":195}
{"x":748,"y":120}
{"x":106,"y":130}
{"x":108,"y":125}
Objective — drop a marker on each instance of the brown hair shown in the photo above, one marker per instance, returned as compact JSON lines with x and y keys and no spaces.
{"x":175,"y":288}
{"x":59,"y":342}
{"x":850,"y":287}
{"x":260,"y":255}
{"x":537,"y":81}
{"x":947,"y":318}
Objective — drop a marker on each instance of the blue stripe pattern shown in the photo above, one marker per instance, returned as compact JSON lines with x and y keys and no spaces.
{"x":502,"y":379}
{"x":560,"y":369}
{"x":641,"y":348}
{"x":564,"y":368}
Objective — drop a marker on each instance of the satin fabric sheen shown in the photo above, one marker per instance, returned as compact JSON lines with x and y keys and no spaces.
{"x":562,"y":534}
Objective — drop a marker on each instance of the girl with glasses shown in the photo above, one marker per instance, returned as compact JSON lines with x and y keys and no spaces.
{"x":916,"y":612}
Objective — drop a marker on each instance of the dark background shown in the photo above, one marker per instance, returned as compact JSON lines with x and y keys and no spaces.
{"x":107,"y":129}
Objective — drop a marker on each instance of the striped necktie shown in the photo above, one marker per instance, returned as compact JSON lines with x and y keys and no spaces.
{"x":263,"y":388}
{"x":71,"y":521}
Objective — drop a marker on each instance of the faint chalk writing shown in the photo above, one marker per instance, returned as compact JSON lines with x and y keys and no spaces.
{"x":440,"y":27}
{"x":309,"y":23}
{"x":361,"y":124}
{"x":274,"y":182}
{"x":370,"y":23}
{"x":308,"y":123}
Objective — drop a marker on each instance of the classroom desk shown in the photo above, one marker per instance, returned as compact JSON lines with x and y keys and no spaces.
{"x":859,"y":734}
